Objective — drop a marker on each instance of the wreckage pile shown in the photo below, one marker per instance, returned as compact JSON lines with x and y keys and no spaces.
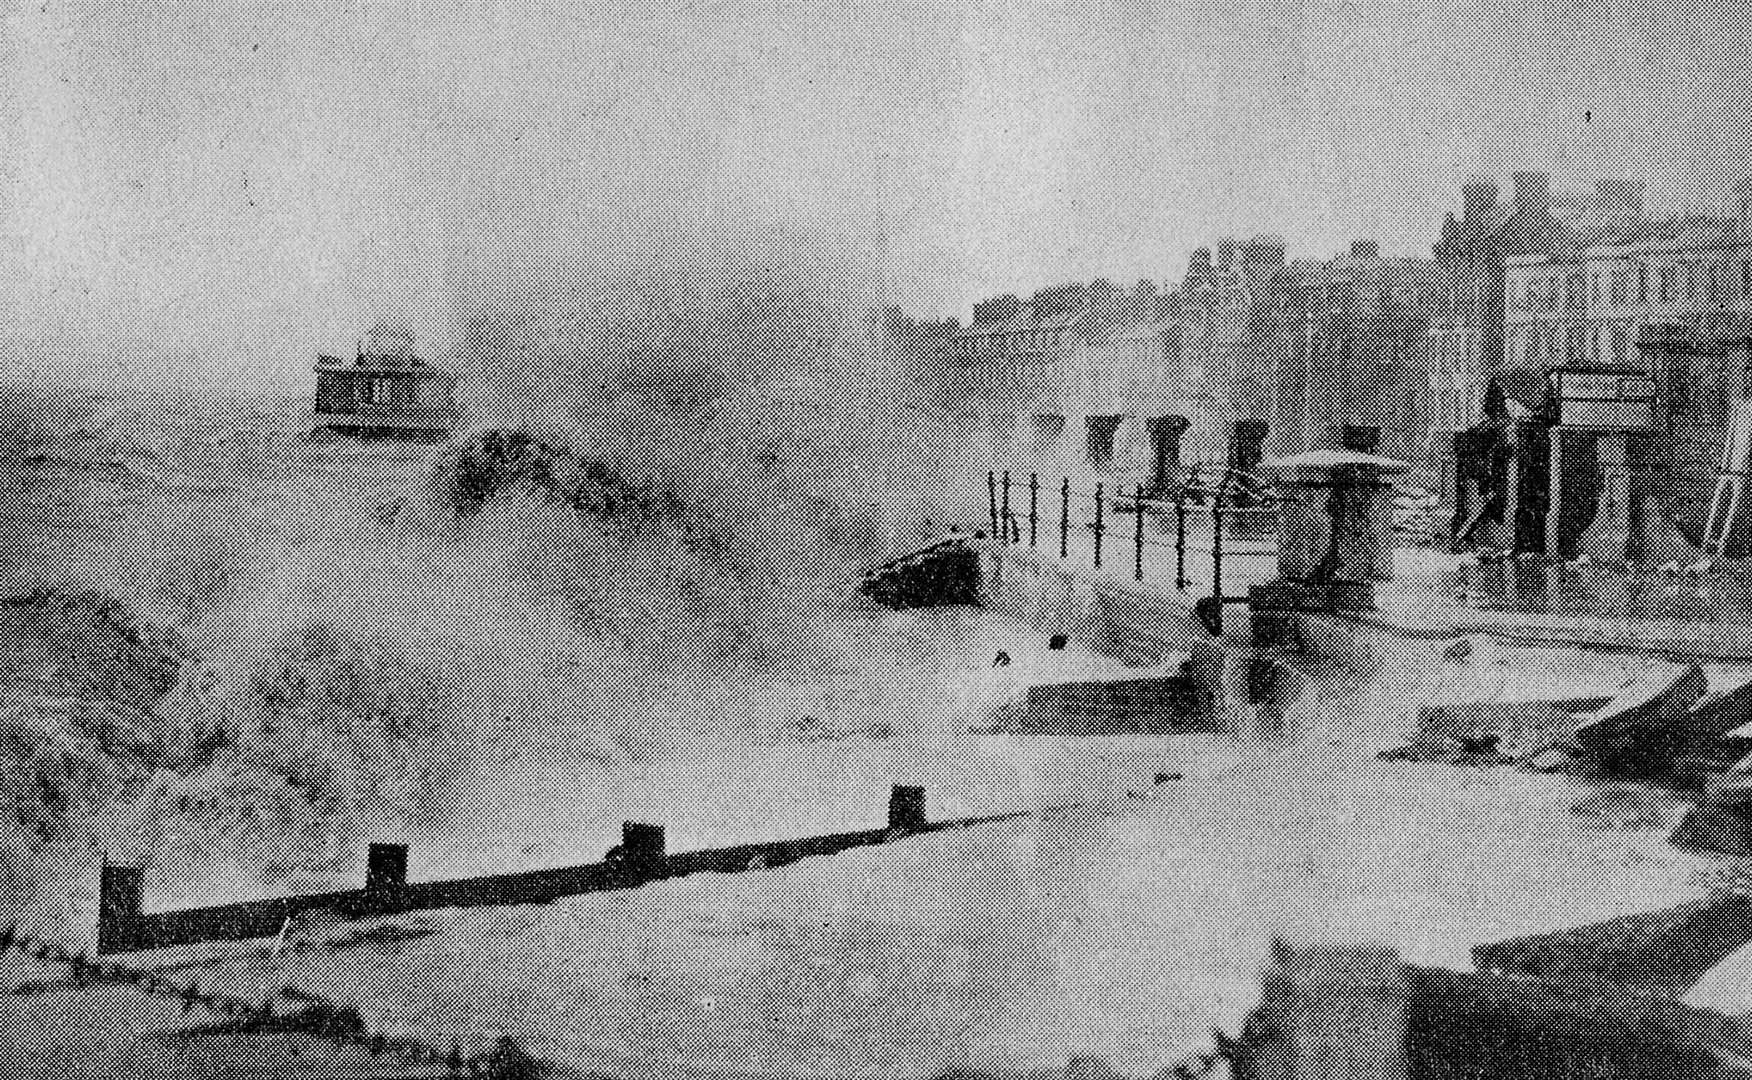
{"x":1675,"y":726}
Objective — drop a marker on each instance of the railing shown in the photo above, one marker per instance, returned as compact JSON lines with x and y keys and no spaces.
{"x":1140,"y":518}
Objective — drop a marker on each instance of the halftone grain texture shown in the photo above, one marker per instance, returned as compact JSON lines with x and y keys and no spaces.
{"x":743,"y":301}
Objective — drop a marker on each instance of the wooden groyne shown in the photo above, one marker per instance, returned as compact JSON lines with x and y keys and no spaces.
{"x":123,"y":926}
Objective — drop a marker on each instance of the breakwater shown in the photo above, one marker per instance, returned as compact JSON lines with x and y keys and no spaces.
{"x":638,"y":860}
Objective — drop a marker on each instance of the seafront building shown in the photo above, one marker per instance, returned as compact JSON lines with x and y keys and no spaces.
{"x":1251,"y":348}
{"x":1247,"y":341}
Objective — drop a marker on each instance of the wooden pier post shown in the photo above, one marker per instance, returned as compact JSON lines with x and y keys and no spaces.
{"x":1009,"y":522}
{"x":906,"y":808}
{"x":118,"y":906}
{"x":1138,"y":536}
{"x":386,"y":866}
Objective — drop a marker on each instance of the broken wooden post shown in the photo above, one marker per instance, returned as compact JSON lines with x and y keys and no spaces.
{"x":386,"y":867}
{"x":906,"y":808}
{"x":639,"y":855}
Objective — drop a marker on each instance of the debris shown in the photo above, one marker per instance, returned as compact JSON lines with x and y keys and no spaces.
{"x":1721,"y":823}
{"x":1638,"y":732}
{"x":1666,"y":951}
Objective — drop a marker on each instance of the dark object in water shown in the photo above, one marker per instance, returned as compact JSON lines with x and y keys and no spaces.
{"x":1057,"y":642}
{"x":944,"y":574}
{"x":1002,"y":659}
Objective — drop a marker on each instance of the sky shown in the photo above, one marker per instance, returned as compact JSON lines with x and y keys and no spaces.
{"x":203,"y":196}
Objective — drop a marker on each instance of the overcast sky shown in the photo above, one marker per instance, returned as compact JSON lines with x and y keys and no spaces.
{"x":207,"y":199}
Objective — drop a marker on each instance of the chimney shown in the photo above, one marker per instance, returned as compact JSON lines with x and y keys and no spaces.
{"x":1199,"y":266}
{"x":1481,"y":202}
{"x":1619,"y":198}
{"x":1533,"y":194}
{"x":1365,"y":249}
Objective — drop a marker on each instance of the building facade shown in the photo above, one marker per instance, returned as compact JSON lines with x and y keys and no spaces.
{"x":1351,"y":351}
{"x":1673,"y":298}
{"x":1466,"y":344}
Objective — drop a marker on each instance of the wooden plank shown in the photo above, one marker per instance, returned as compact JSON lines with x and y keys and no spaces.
{"x":1651,"y":703}
{"x":1667,"y":951}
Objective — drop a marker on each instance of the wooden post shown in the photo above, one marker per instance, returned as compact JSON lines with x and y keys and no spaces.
{"x":906,"y":808}
{"x":1100,"y":508}
{"x":1138,"y":571}
{"x":1065,"y":519}
{"x":992,"y":493}
{"x":118,"y":907}
{"x":386,"y":866}
{"x":1033,"y":507}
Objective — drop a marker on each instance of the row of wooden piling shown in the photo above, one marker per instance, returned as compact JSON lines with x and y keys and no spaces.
{"x":639,"y":859}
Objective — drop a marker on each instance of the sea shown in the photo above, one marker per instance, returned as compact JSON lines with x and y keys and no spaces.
{"x":357,"y":663}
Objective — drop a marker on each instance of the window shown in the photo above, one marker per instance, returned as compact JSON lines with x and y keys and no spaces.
{"x":1666,"y":284}
{"x":1620,"y":345}
{"x":1618,"y":297}
{"x":1596,"y":300}
{"x":1715,"y":284}
{"x":1690,"y":283}
{"x":1642,"y":283}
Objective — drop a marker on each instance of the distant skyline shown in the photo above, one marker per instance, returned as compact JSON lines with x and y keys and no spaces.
{"x":207,"y":198}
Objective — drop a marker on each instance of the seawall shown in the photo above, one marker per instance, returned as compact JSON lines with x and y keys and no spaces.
{"x":1139,"y":626}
